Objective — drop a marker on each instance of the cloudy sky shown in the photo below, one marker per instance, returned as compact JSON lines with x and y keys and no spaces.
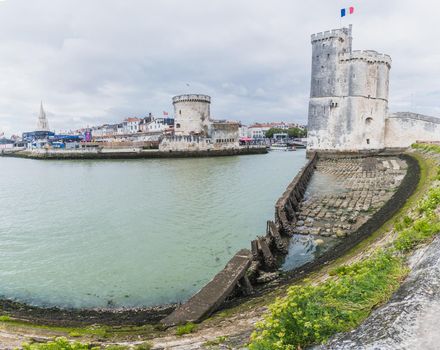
{"x":96,"y":61}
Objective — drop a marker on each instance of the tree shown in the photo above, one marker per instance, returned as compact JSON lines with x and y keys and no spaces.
{"x":272,"y":131}
{"x":296,"y":132}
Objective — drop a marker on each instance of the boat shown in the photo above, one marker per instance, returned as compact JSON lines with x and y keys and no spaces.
{"x":281,"y":146}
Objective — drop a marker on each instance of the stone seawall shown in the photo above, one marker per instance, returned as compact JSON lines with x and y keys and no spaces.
{"x":133,"y":154}
{"x":287,"y":205}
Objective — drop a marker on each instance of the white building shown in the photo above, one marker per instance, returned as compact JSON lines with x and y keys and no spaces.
{"x":131,"y":125}
{"x":156,"y":125}
{"x":243,"y":131}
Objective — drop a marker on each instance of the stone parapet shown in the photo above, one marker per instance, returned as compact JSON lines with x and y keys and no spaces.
{"x":331,"y":34}
{"x":369,"y":56}
{"x":192,"y":98}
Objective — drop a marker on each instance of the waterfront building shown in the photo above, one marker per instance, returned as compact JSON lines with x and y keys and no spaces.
{"x":40,"y":137}
{"x":154,"y":125}
{"x":243,"y":131}
{"x":6,"y":143}
{"x":195,"y":130}
{"x":131,"y":125}
{"x":348,"y":108}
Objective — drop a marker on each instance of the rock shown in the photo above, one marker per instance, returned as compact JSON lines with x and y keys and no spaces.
{"x":326,"y":234}
{"x":319,"y":242}
{"x":315,"y":230}
{"x":267,"y":277}
{"x":300,"y":223}
{"x":352,"y":219}
{"x":340,"y":234}
{"x":302,"y":230}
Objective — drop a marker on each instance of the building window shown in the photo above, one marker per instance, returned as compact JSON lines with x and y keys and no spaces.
{"x":177,"y":125}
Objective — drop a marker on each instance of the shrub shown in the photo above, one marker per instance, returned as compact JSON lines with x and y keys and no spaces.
{"x":5,"y":318}
{"x":186,"y":329}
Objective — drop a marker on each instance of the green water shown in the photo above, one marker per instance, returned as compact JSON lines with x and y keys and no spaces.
{"x":130,"y":233}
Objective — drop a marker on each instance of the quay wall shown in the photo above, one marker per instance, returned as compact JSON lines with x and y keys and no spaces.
{"x":132,"y":153}
{"x":287,"y":206}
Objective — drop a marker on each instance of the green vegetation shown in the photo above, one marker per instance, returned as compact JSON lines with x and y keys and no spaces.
{"x":216,"y":342}
{"x":186,"y":329}
{"x":311,"y":314}
{"x":291,"y":132}
{"x":58,"y":344}
{"x":64,"y":344}
{"x":5,"y":318}
{"x":412,"y":234}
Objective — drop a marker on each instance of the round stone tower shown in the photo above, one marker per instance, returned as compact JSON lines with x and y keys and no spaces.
{"x":191,"y":114}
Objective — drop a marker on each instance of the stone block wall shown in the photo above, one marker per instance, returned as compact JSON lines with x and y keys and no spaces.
{"x":403,"y":129}
{"x":287,"y":206}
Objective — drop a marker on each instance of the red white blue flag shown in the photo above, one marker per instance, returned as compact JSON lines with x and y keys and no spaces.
{"x":350,"y":11}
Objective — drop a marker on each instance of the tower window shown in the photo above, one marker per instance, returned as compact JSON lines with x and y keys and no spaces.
{"x":328,"y":56}
{"x":368,"y":121}
{"x":180,"y":111}
{"x":368,"y":141}
{"x":177,"y":125}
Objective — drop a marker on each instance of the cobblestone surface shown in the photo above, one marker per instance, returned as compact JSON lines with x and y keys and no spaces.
{"x":344,"y":193}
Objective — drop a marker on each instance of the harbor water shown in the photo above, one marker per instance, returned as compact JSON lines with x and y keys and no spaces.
{"x":107,"y":234}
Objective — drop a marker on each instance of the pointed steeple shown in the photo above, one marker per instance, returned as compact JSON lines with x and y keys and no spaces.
{"x":42,"y":123}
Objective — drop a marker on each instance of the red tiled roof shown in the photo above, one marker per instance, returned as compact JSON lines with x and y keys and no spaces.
{"x":132,"y":120}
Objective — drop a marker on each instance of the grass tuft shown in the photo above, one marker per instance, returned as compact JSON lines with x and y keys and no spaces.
{"x":186,"y":329}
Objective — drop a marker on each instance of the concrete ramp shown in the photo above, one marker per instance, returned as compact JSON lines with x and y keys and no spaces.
{"x":210,"y":297}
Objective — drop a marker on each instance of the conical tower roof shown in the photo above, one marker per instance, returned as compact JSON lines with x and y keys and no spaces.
{"x":42,"y":123}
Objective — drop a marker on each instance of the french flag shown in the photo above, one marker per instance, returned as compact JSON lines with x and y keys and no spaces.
{"x":350,"y":11}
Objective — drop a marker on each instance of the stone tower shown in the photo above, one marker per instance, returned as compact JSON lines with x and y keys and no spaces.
{"x":348,"y":96}
{"x":192,"y":114}
{"x":42,"y":123}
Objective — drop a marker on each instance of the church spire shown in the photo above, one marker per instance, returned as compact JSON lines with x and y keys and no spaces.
{"x":42,"y":123}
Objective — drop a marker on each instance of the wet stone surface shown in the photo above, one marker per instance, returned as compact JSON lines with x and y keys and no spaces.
{"x":345,"y":193}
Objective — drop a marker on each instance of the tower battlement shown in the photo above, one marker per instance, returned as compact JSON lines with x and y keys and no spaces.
{"x":331,"y":34}
{"x":192,"y":98}
{"x":369,"y":56}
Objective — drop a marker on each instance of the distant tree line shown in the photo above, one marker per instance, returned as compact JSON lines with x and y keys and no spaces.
{"x":291,"y":132}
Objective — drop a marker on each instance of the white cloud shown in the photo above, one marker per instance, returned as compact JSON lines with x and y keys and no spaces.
{"x":103,"y":60}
